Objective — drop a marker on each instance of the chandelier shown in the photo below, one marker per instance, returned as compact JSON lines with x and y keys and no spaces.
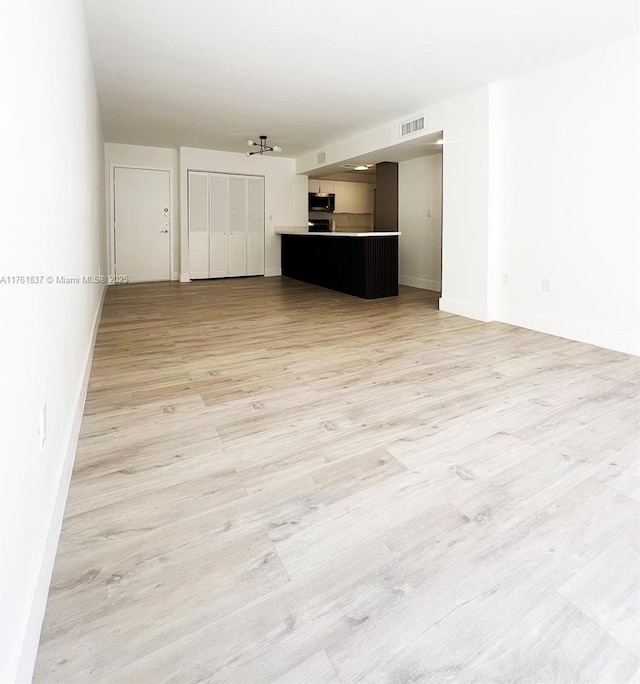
{"x":262,"y":146}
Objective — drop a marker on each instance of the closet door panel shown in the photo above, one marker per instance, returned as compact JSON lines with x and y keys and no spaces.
{"x":218,"y":261}
{"x":198,"y":225}
{"x":237,"y":225}
{"x":237,"y":204}
{"x":255,"y":254}
{"x":219,"y":192}
{"x":198,"y":256}
{"x":237,"y":254}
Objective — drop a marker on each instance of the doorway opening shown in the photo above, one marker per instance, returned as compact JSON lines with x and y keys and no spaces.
{"x":420,"y":220}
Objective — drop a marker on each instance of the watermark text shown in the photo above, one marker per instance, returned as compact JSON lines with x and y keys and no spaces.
{"x":24,"y":279}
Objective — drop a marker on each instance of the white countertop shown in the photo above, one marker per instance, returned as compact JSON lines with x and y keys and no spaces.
{"x":294,"y":230}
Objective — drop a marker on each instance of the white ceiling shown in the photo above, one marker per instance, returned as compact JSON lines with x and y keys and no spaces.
{"x":212,"y":73}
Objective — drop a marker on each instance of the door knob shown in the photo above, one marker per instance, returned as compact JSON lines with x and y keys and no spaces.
{"x":164,"y":231}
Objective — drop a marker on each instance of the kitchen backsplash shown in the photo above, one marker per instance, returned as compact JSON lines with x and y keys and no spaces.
{"x":354,"y":223}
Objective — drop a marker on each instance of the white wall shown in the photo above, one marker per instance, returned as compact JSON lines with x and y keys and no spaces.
{"x":52,"y":187}
{"x":465,"y":205}
{"x":147,"y":158}
{"x":285,"y":195}
{"x":420,"y":191}
{"x":566,"y":184}
{"x":362,"y":143}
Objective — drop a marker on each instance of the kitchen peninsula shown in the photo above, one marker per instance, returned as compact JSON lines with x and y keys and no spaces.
{"x":360,"y":264}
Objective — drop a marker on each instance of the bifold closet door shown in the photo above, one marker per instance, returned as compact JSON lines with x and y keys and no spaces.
{"x":198,"y":225}
{"x":219,"y":238}
{"x":226,"y":225}
{"x":237,"y":225}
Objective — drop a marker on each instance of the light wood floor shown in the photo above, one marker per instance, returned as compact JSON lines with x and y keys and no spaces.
{"x":279,"y":483}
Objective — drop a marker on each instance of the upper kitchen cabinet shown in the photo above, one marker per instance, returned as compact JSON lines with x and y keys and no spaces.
{"x":317,"y":185}
{"x":351,"y":198}
{"x":340,"y":191}
{"x":327,"y":186}
{"x":359,"y":198}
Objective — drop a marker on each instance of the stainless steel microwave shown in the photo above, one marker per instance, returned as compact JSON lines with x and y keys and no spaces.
{"x":322,"y":201}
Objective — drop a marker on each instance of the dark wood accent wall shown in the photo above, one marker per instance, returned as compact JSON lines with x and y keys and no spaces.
{"x":366,"y":267}
{"x":386,"y":196}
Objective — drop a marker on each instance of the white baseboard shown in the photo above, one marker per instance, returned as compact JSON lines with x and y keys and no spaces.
{"x":269,"y":272}
{"x":420,"y":283}
{"x":41,"y":593}
{"x":616,"y":340}
{"x":478,"y":313}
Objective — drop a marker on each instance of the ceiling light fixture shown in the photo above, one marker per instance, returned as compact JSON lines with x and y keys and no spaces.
{"x":262,"y":146}
{"x":356,"y":167}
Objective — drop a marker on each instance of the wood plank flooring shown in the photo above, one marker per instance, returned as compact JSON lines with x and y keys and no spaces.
{"x":280,"y":483}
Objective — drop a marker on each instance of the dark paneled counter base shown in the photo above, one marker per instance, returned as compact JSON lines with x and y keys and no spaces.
{"x":366,"y":267}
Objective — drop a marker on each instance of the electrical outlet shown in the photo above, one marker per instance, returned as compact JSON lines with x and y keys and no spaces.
{"x":42,"y":427}
{"x":546,"y":284}
{"x":505,"y":278}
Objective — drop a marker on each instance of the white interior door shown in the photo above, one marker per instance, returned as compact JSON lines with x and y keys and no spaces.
{"x":142,"y":246}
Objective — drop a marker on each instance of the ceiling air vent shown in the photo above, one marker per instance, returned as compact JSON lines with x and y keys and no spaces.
{"x":412,"y":126}
{"x":322,"y":157}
